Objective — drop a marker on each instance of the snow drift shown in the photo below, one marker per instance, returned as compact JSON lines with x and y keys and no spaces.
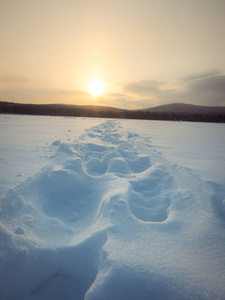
{"x":106,"y":215}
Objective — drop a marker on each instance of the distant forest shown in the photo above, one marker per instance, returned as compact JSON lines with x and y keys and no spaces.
{"x":105,"y":112}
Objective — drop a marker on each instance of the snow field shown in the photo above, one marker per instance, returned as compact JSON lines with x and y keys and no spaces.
{"x":110,"y":217}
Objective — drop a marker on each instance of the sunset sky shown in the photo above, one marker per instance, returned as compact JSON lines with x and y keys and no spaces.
{"x":121,"y":53}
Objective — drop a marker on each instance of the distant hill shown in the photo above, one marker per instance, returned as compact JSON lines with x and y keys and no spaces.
{"x":174,"y":111}
{"x":100,"y":108}
{"x":55,"y":107}
{"x":58,"y":109}
{"x":187,"y":109}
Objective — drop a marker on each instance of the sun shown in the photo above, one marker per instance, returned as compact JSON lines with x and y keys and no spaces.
{"x":96,"y":87}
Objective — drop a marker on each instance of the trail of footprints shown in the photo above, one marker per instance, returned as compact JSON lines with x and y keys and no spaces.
{"x":111,"y":159}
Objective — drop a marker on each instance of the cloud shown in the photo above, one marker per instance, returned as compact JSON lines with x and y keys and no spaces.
{"x":10,"y":81}
{"x":208,"y":91}
{"x":26,"y":90}
{"x":114,"y":95}
{"x":200,"y":75}
{"x":206,"y":88}
{"x":47,"y":92}
{"x":126,"y":102}
{"x":144,"y":87}
{"x":201,"y":89}
{"x":215,"y":84}
{"x":35,"y":95}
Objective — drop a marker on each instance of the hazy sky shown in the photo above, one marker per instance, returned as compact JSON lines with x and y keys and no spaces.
{"x":145,"y":52}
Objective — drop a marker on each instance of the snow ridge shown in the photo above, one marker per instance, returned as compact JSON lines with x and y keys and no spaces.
{"x":111,"y":218}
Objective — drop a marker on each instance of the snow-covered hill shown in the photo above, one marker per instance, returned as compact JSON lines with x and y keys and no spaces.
{"x":111,"y":209}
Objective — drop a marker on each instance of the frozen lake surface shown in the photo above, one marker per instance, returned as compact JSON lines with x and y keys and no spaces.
{"x":111,"y":209}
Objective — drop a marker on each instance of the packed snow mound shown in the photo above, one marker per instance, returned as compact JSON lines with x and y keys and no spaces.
{"x":109,"y":217}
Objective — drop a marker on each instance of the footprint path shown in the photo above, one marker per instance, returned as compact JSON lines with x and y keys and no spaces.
{"x":105,"y":156}
{"x":91,"y":178}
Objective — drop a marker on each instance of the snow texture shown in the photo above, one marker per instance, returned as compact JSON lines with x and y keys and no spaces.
{"x":111,"y":209}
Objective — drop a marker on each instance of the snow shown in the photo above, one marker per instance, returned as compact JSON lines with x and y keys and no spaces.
{"x":111,"y":209}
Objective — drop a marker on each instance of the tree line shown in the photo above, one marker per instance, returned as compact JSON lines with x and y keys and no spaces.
{"x":76,"y":111}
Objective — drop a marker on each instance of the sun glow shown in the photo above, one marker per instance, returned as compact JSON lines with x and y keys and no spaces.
{"x":96,"y":87}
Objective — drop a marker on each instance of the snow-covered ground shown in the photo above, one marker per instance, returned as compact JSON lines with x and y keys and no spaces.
{"x":111,"y":209}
